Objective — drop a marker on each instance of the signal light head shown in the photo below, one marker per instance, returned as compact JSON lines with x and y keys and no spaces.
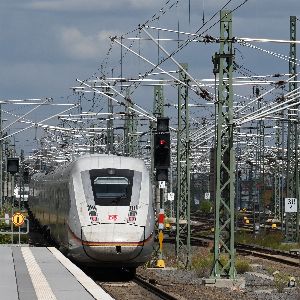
{"x":162,"y":142}
{"x":162,"y":151}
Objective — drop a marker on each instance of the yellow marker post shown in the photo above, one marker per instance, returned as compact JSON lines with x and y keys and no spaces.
{"x":160,"y":239}
{"x":160,"y":262}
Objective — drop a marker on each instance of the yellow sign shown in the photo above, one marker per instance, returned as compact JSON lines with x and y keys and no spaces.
{"x":18,"y":219}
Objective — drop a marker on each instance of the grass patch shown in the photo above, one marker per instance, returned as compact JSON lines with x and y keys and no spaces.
{"x":242,"y":266}
{"x":274,"y":240}
{"x":202,"y":263}
{"x":281,"y":281}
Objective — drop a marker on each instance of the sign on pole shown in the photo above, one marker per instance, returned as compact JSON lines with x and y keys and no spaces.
{"x":162,"y":184}
{"x":207,"y":196}
{"x":18,"y":219}
{"x":290,"y":205}
{"x":171,"y":196}
{"x":7,"y":219}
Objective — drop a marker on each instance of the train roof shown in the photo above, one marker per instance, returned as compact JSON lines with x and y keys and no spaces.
{"x":102,"y":161}
{"x":95,"y":161}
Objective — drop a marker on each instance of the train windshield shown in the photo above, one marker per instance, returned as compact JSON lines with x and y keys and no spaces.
{"x":112,"y":190}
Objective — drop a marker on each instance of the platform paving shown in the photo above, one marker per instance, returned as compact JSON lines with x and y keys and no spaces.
{"x":36,"y":273}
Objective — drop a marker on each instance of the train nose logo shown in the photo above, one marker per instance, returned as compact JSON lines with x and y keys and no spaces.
{"x":93,"y":216}
{"x":112,"y":217}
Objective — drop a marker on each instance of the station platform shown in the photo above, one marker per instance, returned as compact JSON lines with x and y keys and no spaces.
{"x":43,"y":273}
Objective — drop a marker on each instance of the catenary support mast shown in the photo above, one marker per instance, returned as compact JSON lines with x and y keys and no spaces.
{"x":183,"y":226}
{"x":292,"y":176}
{"x":225,"y":165}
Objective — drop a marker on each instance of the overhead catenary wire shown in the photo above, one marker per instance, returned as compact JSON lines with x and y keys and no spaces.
{"x":115,"y":100}
{"x":272,"y":110}
{"x":9,"y":125}
{"x":275,"y":54}
{"x":180,"y":47}
{"x":264,"y":40}
{"x":256,"y":82}
{"x":44,"y":120}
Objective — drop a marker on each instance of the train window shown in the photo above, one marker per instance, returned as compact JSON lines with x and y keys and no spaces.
{"x":112,"y":190}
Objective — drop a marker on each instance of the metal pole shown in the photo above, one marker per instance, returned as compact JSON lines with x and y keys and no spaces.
{"x":110,"y":137}
{"x":183,"y":229}
{"x":126,"y":123}
{"x":292,"y":175}
{"x":260,"y":164}
{"x":225,"y":163}
{"x":158,"y":111}
{"x":1,"y":162}
{"x":171,"y":190}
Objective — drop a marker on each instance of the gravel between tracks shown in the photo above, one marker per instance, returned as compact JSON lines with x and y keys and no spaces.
{"x":260,"y":283}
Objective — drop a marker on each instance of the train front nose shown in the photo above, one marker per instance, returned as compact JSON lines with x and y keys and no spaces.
{"x":113,"y":242}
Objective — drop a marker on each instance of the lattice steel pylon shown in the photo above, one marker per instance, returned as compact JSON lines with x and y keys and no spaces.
{"x":130,"y":130}
{"x":277,"y":175}
{"x":110,"y":125}
{"x":158,"y":111}
{"x":158,"y":104}
{"x":225,"y":162}
{"x":260,"y":166}
{"x":183,"y":226}
{"x":292,"y":191}
{"x":1,"y":162}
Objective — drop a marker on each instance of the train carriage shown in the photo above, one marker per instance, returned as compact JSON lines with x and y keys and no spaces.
{"x":98,"y":209}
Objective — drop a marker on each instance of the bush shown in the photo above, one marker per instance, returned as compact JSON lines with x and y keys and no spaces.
{"x":205,"y":206}
{"x":5,"y":239}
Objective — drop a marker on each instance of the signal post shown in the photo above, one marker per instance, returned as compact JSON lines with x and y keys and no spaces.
{"x":161,"y":164}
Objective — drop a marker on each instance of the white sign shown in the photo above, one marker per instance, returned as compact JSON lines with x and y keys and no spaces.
{"x":197,"y":202}
{"x":171,"y":196}
{"x":207,"y":196}
{"x":290,"y":205}
{"x":162,"y":184}
{"x":7,"y":219}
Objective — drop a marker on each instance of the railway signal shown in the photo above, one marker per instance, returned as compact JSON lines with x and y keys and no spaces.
{"x":162,"y":149}
{"x":13,"y":165}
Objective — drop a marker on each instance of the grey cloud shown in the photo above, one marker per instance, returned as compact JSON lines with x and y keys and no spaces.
{"x":79,"y":45}
{"x":90,"y":5}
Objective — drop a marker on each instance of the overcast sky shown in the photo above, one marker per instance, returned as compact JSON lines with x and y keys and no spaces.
{"x":46,"y":44}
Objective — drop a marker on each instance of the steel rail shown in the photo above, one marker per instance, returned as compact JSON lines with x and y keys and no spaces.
{"x":153,"y":289}
{"x":273,"y":257}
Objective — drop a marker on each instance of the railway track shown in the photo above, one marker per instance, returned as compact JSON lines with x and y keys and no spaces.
{"x":258,"y":251}
{"x":154,"y":289}
{"x":270,"y":254}
{"x":136,"y":289}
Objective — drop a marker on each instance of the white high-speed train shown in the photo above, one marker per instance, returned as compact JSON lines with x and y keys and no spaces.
{"x":98,"y":209}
